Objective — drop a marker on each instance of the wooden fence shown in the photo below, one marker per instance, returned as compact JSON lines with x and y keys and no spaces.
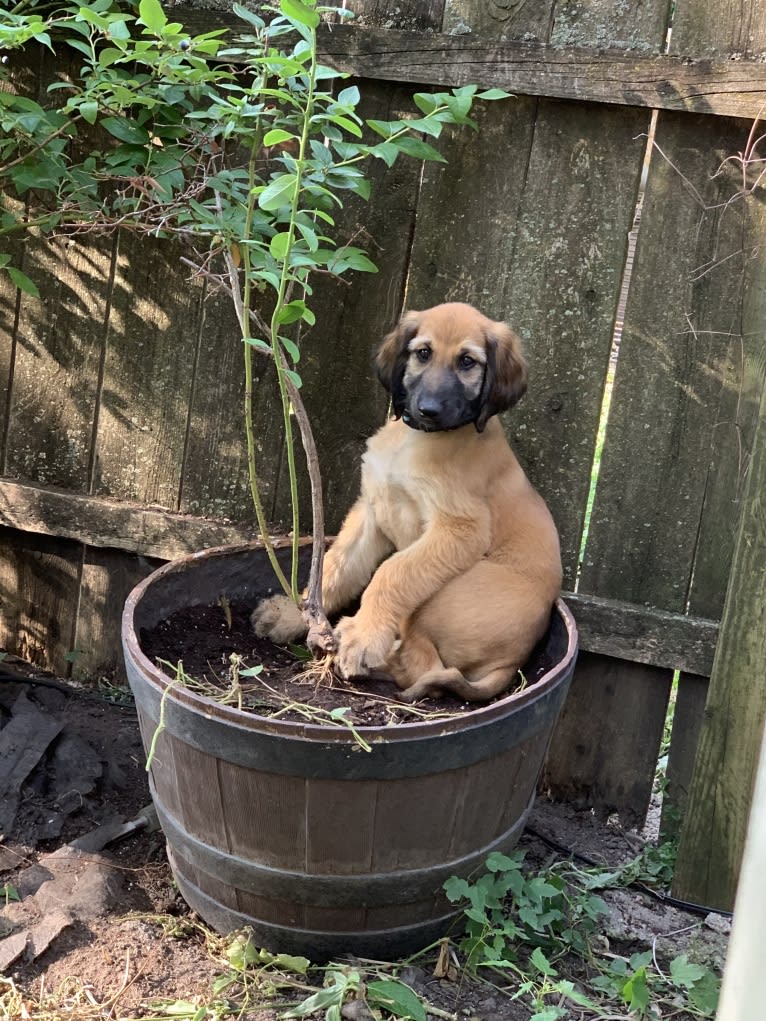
{"x":121,"y":441}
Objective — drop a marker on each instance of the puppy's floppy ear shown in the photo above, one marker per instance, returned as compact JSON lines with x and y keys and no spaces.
{"x":391,"y":359}
{"x":505,"y":375}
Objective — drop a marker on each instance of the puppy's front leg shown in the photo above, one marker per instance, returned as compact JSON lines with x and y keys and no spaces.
{"x":351,"y":560}
{"x":447,"y":548}
{"x":347,"y":567}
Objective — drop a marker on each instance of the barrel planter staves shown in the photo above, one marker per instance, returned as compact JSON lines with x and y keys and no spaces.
{"x":292,"y":829}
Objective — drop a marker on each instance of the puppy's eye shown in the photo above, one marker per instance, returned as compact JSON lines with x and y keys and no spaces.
{"x":466,"y":362}
{"x":423,"y":354}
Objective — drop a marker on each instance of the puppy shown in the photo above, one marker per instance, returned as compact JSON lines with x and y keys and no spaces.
{"x":455,"y":554}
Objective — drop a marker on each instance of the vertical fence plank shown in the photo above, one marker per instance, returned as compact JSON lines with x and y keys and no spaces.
{"x":59,"y":347}
{"x":713,"y":835}
{"x":214,"y":477}
{"x":688,"y":714}
{"x":675,"y":393}
{"x":723,"y":28}
{"x":106,"y":579}
{"x":605,"y":766}
{"x":39,"y":581}
{"x":147,"y":375}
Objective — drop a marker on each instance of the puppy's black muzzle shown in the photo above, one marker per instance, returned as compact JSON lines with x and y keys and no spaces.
{"x":439,"y":406}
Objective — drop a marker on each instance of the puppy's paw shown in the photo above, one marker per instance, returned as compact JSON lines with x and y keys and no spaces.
{"x":278,"y":619}
{"x":361,"y":649}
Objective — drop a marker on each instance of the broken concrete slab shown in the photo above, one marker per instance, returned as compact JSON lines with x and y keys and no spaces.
{"x":23,"y":741}
{"x":33,"y":941}
{"x":84,"y":885}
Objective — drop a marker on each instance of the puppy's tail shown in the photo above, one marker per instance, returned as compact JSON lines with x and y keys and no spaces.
{"x":435,"y":682}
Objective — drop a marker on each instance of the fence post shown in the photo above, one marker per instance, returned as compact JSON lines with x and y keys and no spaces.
{"x":713,"y":834}
{"x":740,"y":999}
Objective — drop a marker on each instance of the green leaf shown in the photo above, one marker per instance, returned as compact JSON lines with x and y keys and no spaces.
{"x":252,"y":671}
{"x":704,"y":994}
{"x":89,"y":111}
{"x":396,"y":998}
{"x":280,"y":245}
{"x":426,"y":102}
{"x":152,"y":15}
{"x":249,"y":16}
{"x":303,"y":13}
{"x":549,"y":1013}
{"x":125,"y":130}
{"x":418,"y":149}
{"x":8,"y":893}
{"x":287,"y":343}
{"x":385,"y":151}
{"x":684,"y":972}
{"x":494,"y":94}
{"x":279,"y":192}
{"x":294,"y":378}
{"x":349,"y":96}
{"x":258,"y":344}
{"x":542,"y":963}
{"x":22,"y":281}
{"x":635,"y":992}
{"x":275,"y":136}
{"x":351,"y":258}
{"x":300,"y":965}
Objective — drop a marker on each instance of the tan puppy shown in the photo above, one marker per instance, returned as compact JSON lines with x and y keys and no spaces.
{"x":456,"y":555}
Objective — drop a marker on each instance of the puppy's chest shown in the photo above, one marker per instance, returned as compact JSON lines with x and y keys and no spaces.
{"x":395,"y":496}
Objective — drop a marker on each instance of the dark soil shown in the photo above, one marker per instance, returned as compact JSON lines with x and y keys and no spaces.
{"x":204,"y":639}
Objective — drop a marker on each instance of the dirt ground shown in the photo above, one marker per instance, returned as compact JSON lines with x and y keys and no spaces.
{"x":102,"y":923}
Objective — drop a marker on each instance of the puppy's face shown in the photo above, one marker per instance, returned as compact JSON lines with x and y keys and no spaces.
{"x":451,"y":366}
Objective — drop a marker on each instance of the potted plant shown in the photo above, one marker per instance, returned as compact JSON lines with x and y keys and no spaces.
{"x":324,"y":839}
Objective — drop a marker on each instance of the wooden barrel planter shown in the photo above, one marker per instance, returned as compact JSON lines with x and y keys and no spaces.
{"x":321,"y":847}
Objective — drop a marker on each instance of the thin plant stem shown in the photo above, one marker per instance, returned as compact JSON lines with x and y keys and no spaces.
{"x":282,"y":378}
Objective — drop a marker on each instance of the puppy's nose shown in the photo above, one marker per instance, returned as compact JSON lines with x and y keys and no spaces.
{"x":429,"y":407}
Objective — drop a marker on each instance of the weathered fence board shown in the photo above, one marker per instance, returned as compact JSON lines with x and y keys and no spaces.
{"x":722,"y":28}
{"x":106,"y":579}
{"x":713,"y":835}
{"x":147,"y":376}
{"x":688,"y":714}
{"x":626,"y":78}
{"x":214,"y":471}
{"x":39,"y":583}
{"x":57,"y":361}
{"x":600,"y":755}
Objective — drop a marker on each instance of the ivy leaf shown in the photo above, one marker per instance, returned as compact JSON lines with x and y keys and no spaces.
{"x":635,"y":992}
{"x":684,"y":972}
